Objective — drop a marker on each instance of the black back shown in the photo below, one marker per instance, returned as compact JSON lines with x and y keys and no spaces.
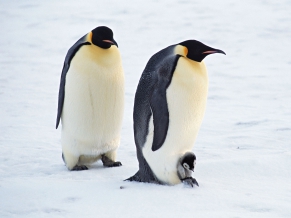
{"x":150,"y":100}
{"x":71,"y":53}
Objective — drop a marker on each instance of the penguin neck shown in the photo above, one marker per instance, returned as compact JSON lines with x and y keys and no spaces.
{"x":181,"y":50}
{"x":199,"y":67}
{"x":107,"y":56}
{"x":104,"y":56}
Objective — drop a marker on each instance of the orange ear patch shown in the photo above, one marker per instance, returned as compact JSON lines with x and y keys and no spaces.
{"x":89,"y":37}
{"x":185,"y":51}
{"x":181,"y":50}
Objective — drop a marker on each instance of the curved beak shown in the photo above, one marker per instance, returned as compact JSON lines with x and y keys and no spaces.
{"x":112,"y":42}
{"x":212,"y":51}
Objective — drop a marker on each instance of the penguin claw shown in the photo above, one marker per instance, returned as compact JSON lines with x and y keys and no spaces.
{"x":78,"y":168}
{"x":190,"y":181}
{"x":194,"y":181}
{"x":109,"y":163}
{"x":115,"y":164}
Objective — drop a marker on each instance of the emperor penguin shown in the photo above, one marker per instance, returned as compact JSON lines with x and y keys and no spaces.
{"x":91,"y":101}
{"x":169,"y":106}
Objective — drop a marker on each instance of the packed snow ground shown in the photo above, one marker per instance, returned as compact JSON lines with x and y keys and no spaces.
{"x":243,"y":147}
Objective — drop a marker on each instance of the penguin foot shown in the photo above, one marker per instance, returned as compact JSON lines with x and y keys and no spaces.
{"x":78,"y":168}
{"x":190,"y":181}
{"x":149,"y":178}
{"x":109,"y":163}
{"x":134,"y":178}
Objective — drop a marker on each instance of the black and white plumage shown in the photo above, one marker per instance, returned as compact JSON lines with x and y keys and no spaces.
{"x":91,"y":100}
{"x":185,"y":167}
{"x":168,"y":110}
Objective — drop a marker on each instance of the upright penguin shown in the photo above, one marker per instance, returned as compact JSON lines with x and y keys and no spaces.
{"x":168,"y":110}
{"x":91,"y":101}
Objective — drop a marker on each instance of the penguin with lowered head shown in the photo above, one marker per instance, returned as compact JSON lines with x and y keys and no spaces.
{"x":91,"y":101}
{"x":169,"y":106}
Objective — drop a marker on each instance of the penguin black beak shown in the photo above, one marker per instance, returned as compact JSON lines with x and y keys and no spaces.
{"x":112,"y":42}
{"x":213,"y":52}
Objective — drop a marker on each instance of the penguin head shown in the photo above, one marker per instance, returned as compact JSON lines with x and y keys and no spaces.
{"x":102,"y":37}
{"x":188,"y":161}
{"x":197,"y":51}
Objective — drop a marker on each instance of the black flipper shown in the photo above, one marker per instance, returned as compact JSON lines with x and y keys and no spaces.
{"x":158,"y":101}
{"x":150,"y":100}
{"x":142,"y":108}
{"x":71,"y":53}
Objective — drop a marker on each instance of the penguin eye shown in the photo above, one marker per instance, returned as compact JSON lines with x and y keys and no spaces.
{"x":186,"y":166}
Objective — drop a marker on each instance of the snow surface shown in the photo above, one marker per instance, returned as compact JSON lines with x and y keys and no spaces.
{"x":243,"y":147}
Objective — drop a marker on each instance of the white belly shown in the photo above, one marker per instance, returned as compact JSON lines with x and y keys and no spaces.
{"x":186,"y":98}
{"x":93,"y":106}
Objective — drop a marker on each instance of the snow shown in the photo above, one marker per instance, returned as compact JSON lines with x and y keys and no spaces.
{"x":243,"y":147}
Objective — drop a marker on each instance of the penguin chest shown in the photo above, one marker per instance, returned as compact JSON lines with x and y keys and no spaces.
{"x":94,"y":100}
{"x":186,"y":99}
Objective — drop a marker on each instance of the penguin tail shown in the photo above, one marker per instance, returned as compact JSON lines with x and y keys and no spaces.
{"x":135,"y":177}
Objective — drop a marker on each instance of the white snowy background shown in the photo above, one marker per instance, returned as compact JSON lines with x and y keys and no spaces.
{"x":243,"y":147}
